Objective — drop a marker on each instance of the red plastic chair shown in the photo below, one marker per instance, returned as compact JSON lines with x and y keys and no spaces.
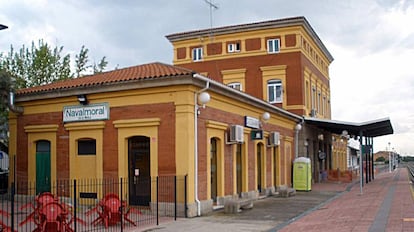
{"x":111,"y":210}
{"x":40,"y":200}
{"x":3,"y":226}
{"x":53,"y":217}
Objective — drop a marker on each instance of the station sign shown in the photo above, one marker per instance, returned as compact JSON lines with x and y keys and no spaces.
{"x":90,"y":112}
{"x":251,"y":122}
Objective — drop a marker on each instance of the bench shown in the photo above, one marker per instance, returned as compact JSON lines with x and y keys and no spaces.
{"x":284,"y":191}
{"x":236,"y":205}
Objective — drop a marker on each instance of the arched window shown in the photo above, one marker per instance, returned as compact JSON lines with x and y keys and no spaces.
{"x":235,"y":85}
{"x":274,"y":91}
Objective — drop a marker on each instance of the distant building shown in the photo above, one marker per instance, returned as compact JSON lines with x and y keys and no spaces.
{"x":353,"y":154}
{"x":384,"y":154}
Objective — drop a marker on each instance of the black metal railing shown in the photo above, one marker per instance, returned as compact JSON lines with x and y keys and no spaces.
{"x":92,"y":204}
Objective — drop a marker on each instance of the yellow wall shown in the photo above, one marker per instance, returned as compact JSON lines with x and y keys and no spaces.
{"x":216,"y":130}
{"x":12,"y":145}
{"x":288,"y":147}
{"x":339,"y":149}
{"x":138,"y":127}
{"x":85,"y":166}
{"x":312,"y":81}
{"x":36,"y":133}
{"x":234,"y":75}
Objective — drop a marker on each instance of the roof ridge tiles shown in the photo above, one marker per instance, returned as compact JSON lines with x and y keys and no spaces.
{"x":138,"y":72}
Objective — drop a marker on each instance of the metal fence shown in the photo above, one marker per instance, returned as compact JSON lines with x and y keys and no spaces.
{"x":92,"y":205}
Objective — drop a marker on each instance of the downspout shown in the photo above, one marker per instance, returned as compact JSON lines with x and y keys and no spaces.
{"x":196,"y":107}
{"x":12,"y":106}
{"x":298,"y":127}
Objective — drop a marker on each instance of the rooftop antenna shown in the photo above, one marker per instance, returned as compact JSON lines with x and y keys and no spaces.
{"x":212,"y":5}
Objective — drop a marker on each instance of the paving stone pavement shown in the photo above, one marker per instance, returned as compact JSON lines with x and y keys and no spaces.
{"x":328,"y":207}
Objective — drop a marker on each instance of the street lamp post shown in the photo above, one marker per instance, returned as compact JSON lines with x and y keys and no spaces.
{"x":389,"y":156}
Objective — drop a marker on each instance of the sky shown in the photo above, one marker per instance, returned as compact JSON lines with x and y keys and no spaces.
{"x":372,"y":42}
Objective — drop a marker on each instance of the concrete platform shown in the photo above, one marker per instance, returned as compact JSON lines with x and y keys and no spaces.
{"x":386,"y":204}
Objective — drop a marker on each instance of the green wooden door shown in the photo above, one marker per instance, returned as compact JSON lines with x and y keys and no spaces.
{"x":42,"y":166}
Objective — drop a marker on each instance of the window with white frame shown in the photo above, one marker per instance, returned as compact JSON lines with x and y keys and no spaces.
{"x":233,"y":47}
{"x":319,"y":102}
{"x":313,"y":98}
{"x":274,"y":91}
{"x":324,"y":106}
{"x":273,"y":45}
{"x":197,"y":54}
{"x":235,"y":85}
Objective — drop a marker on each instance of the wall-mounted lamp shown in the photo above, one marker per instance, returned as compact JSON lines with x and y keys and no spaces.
{"x":83,"y":99}
{"x":344,"y":134}
{"x":298,"y":127}
{"x":320,"y":137}
{"x":203,"y":99}
{"x":265,"y":116}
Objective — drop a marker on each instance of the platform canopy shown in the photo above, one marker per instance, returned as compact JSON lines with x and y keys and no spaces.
{"x":373,"y":128}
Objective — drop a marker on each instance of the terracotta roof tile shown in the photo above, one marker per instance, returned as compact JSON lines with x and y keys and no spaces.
{"x":139,"y":72}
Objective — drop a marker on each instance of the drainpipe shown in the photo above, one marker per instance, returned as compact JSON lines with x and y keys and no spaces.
{"x":298,"y":127}
{"x":12,"y":106}
{"x":196,"y":107}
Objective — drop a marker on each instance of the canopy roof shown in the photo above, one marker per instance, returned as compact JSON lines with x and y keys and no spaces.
{"x":373,"y":128}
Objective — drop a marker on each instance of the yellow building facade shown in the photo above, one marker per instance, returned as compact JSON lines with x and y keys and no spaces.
{"x":147,"y":121}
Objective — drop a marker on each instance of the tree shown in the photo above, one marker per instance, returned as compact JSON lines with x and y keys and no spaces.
{"x":6,"y":84}
{"x":98,"y":68}
{"x":38,"y":65}
{"x":41,"y":64}
{"x":81,"y":61}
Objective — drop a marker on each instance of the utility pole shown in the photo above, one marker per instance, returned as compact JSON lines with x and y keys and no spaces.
{"x":389,"y":156}
{"x":212,"y":6}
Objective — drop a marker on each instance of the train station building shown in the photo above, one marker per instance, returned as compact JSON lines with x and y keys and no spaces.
{"x":237,"y":107}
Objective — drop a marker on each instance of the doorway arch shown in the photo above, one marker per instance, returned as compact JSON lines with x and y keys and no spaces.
{"x":139,"y":170}
{"x":43,"y":166}
{"x":260,"y":167}
{"x":213,"y":169}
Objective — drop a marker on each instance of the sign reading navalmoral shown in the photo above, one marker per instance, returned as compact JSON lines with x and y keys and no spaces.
{"x":251,"y":122}
{"x":86,"y":113}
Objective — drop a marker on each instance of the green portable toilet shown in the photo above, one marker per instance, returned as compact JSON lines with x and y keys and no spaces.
{"x":302,"y":174}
